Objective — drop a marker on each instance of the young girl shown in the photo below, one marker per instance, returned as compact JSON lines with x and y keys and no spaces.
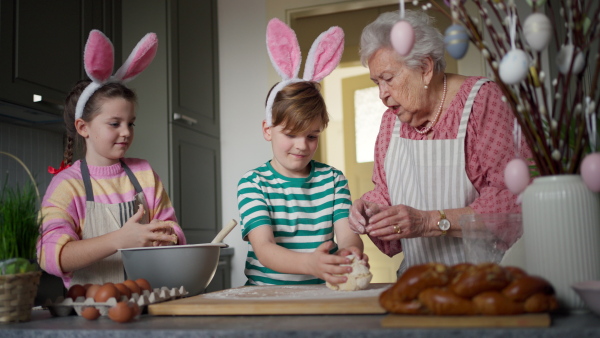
{"x":104,"y":201}
{"x":292,"y":206}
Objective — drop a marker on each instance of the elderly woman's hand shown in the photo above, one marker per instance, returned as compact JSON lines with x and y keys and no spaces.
{"x":399,"y":221}
{"x":360,"y":212}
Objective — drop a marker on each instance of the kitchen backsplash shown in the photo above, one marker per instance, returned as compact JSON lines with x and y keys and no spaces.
{"x":36,"y":148}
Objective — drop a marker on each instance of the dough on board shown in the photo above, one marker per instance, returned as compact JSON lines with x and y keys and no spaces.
{"x":358,"y":279}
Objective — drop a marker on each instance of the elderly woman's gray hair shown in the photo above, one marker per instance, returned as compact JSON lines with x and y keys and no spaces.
{"x":428,"y":40}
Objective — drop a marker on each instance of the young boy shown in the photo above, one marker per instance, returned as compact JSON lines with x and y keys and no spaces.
{"x":292,"y":206}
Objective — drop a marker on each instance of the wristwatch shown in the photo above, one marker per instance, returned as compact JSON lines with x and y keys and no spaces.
{"x":443,"y":223}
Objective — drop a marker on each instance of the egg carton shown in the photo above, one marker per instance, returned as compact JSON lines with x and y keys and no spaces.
{"x":62,"y":307}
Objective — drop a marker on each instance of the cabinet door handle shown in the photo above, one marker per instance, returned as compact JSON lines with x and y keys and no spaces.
{"x":186,"y":119}
{"x":47,"y":102}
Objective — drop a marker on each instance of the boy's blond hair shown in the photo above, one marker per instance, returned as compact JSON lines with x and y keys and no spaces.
{"x":298,"y":106}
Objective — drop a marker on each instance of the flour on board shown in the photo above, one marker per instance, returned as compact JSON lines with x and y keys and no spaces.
{"x":280,"y":292}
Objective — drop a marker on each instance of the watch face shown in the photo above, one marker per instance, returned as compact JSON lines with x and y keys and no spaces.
{"x":444,"y":224}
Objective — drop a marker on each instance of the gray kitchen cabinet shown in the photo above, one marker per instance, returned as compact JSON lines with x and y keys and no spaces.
{"x":193,"y":73}
{"x":196,"y":183}
{"x":42,"y":46}
{"x":222,"y":278}
{"x":177,"y":129}
{"x":194,"y":65}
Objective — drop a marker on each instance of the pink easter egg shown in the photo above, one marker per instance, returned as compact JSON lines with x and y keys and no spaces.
{"x":402,"y":37}
{"x":590,"y":171}
{"x":516,"y":175}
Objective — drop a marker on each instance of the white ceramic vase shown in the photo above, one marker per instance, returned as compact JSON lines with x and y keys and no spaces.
{"x":561,"y":223}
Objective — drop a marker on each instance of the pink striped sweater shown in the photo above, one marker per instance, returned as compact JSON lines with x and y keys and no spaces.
{"x":63,"y":207}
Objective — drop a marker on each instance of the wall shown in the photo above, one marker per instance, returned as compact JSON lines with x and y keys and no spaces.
{"x":38,"y":149}
{"x":243,"y":65}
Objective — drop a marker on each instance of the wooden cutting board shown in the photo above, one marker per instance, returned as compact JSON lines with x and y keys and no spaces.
{"x":276,"y":300}
{"x":526,"y":320}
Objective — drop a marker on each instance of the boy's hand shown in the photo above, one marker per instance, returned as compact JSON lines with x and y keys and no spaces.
{"x":326,"y":266}
{"x":133,"y":234}
{"x":356,"y":252}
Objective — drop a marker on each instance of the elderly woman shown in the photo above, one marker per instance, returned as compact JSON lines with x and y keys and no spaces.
{"x":441,"y":151}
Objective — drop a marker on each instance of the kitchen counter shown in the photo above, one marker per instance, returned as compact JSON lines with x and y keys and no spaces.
{"x":148,"y":326}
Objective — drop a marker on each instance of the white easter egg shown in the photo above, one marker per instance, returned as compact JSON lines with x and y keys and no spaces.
{"x":563,"y":60}
{"x":514,"y":66}
{"x":537,"y":30}
{"x":590,"y":171}
{"x":516,"y":176}
{"x":402,"y":37}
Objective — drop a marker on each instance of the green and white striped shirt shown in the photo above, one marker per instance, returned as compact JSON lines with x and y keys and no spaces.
{"x":300,"y":211}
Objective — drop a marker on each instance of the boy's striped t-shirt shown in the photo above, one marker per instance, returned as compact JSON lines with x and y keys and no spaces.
{"x":300,"y":211}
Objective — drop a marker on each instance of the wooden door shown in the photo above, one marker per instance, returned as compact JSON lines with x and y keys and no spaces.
{"x":359,"y":173}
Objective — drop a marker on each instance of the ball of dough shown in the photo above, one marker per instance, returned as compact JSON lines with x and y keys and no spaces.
{"x":358,"y":279}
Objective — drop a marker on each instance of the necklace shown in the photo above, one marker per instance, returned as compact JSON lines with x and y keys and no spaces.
{"x":428,"y":128}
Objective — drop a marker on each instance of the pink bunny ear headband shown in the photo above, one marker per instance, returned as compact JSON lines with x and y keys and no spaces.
{"x":284,"y":52}
{"x":98,"y":59}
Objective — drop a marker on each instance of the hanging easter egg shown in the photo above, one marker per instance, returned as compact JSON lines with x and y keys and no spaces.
{"x":516,"y":176}
{"x":402,"y":37}
{"x":590,"y":171}
{"x":538,"y":3}
{"x":449,"y":2}
{"x":456,"y":40}
{"x":537,"y":30}
{"x":514,"y":66}
{"x":563,"y":60}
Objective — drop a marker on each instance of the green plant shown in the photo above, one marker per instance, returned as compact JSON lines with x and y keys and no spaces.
{"x":19,"y":226}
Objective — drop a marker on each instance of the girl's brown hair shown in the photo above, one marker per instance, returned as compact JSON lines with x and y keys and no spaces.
{"x":91,"y":109}
{"x":298,"y":106}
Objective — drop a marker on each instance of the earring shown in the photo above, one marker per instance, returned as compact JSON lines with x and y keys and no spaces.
{"x":425,"y":86}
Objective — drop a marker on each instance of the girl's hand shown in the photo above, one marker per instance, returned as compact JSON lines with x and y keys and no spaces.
{"x":134,"y":234}
{"x":325,"y":266}
{"x":399,"y":221}
{"x":169,"y":231}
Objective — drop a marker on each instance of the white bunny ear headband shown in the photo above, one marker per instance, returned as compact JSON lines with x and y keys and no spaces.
{"x":98,"y":59}
{"x":284,"y":52}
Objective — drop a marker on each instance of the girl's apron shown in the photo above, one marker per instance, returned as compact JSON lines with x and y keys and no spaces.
{"x":431,"y":175}
{"x":101,"y":219}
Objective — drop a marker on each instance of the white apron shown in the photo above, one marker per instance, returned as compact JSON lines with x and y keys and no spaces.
{"x":431,"y":175}
{"x":101,"y":219}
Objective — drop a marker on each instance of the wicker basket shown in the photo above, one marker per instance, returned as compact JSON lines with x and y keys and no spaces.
{"x":17,"y":295}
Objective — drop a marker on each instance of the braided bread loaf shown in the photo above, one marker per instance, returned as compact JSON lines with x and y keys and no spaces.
{"x":467,"y":289}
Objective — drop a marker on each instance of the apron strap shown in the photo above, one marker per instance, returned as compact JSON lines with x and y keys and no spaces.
{"x":87,"y":182}
{"x":462,"y":128}
{"x":132,"y":178}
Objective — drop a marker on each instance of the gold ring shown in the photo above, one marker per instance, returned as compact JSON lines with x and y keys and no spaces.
{"x":397,"y":229}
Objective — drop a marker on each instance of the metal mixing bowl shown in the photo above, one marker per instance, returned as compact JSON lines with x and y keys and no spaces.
{"x":192,"y":266}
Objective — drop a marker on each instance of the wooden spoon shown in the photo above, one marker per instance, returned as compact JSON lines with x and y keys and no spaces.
{"x":224,"y":232}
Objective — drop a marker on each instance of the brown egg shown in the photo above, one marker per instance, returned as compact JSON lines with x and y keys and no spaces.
{"x":137,"y":310}
{"x":121,"y":312}
{"x":144,"y":284}
{"x":131,"y":285}
{"x":107,"y":291}
{"x":123,"y":290}
{"x":87,"y":286}
{"x":75,"y":291}
{"x":90,"y":313}
{"x":91,"y":291}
